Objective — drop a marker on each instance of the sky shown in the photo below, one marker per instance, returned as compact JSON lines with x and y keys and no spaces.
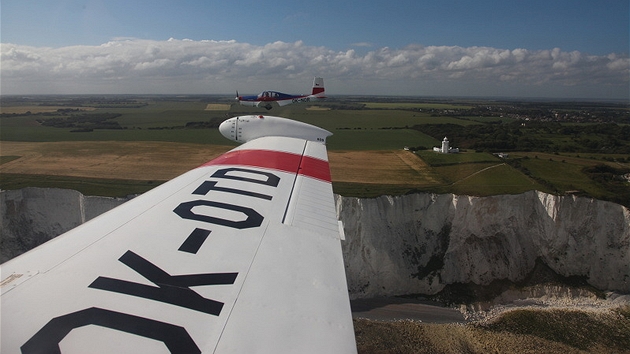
{"x":498,"y":48}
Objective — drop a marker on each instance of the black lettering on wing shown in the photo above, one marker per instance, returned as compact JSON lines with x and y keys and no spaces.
{"x":269,"y":178}
{"x":195,"y":240}
{"x":47,"y":339}
{"x":208,"y":186}
{"x":253,"y":218}
{"x":171,"y":289}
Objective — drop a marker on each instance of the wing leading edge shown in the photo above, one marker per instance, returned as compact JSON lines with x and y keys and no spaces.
{"x":242,"y":254}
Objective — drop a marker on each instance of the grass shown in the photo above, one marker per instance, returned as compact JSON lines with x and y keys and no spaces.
{"x":87,"y":186}
{"x":20,"y":109}
{"x":499,"y":179}
{"x":383,"y":127}
{"x":217,"y":107}
{"x":489,"y":180}
{"x":577,"y":329}
{"x":165,"y":114}
{"x":6,"y":159}
{"x":519,"y":331}
{"x":27,"y":129}
{"x":412,"y":105}
{"x":437,"y":159}
{"x":377,"y":139}
{"x":476,"y":178}
{"x":142,"y":124}
{"x":369,"y":190}
{"x":564,"y":172}
{"x":371,"y":119}
{"x":352,"y":129}
{"x":476,"y":174}
{"x":489,"y":119}
{"x":456,"y":173}
{"x":479,"y":174}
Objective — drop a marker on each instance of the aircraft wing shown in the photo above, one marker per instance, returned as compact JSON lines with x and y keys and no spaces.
{"x":240,"y":255}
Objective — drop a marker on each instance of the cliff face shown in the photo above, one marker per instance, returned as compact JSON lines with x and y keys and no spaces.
{"x":420,"y":243}
{"x":414,"y":244}
{"x":32,"y":216}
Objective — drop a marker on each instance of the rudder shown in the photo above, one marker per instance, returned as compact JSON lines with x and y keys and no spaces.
{"x":318,"y":86}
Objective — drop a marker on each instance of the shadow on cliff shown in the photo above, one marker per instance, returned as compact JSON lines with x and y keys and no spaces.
{"x":542,"y":274}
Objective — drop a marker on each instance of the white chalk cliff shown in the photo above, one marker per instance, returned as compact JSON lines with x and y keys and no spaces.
{"x":413,"y":244}
{"x":417,"y":244}
{"x":32,"y":216}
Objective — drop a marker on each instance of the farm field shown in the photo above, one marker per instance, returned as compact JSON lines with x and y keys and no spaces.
{"x":22,"y":109}
{"x":156,"y":162}
{"x":412,"y":105}
{"x":566,"y":173}
{"x":143,"y":161}
{"x":157,"y":138}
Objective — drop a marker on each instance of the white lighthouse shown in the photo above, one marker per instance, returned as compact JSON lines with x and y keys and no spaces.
{"x":445,"y":146}
{"x":445,"y":149}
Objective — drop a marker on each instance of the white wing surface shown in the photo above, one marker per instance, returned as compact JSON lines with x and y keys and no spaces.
{"x":241,"y":255}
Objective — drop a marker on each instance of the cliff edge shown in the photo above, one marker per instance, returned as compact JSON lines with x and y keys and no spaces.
{"x":413,"y":244}
{"x":32,"y":216}
{"x":420,"y":243}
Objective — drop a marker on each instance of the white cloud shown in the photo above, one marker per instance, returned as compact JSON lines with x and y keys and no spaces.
{"x":127,"y":65}
{"x":362,"y":44}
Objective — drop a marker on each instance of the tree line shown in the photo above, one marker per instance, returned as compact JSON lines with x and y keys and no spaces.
{"x":84,"y":122}
{"x":534,"y":136}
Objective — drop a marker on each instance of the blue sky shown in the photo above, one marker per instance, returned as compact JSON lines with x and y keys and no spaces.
{"x":371,"y":47}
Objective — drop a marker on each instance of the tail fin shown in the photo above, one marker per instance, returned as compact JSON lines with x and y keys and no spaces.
{"x":318,"y":86}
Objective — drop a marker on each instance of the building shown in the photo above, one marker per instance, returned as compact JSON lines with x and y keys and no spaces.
{"x":445,"y":149}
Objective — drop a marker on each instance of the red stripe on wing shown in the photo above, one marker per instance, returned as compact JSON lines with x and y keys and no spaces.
{"x":315,"y":168}
{"x":277,"y":160}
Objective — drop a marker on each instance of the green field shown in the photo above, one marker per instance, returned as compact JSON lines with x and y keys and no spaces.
{"x":26,"y":131}
{"x":165,"y":121}
{"x":87,"y":186}
{"x":495,"y":179}
{"x":378,"y":125}
{"x":412,"y":105}
{"x":462,"y":158}
{"x":566,"y":174}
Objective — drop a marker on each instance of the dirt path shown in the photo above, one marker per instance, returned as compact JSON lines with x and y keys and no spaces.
{"x":478,"y":172}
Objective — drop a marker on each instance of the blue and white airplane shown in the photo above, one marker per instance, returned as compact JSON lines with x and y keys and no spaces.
{"x":265,"y":98}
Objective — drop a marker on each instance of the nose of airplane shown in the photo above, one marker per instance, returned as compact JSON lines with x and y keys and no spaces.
{"x":228,"y":128}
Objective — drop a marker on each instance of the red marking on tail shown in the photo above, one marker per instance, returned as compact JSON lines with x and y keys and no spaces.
{"x":317,"y":90}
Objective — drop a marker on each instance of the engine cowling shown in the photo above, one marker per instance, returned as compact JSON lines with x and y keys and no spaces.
{"x":245,"y":128}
